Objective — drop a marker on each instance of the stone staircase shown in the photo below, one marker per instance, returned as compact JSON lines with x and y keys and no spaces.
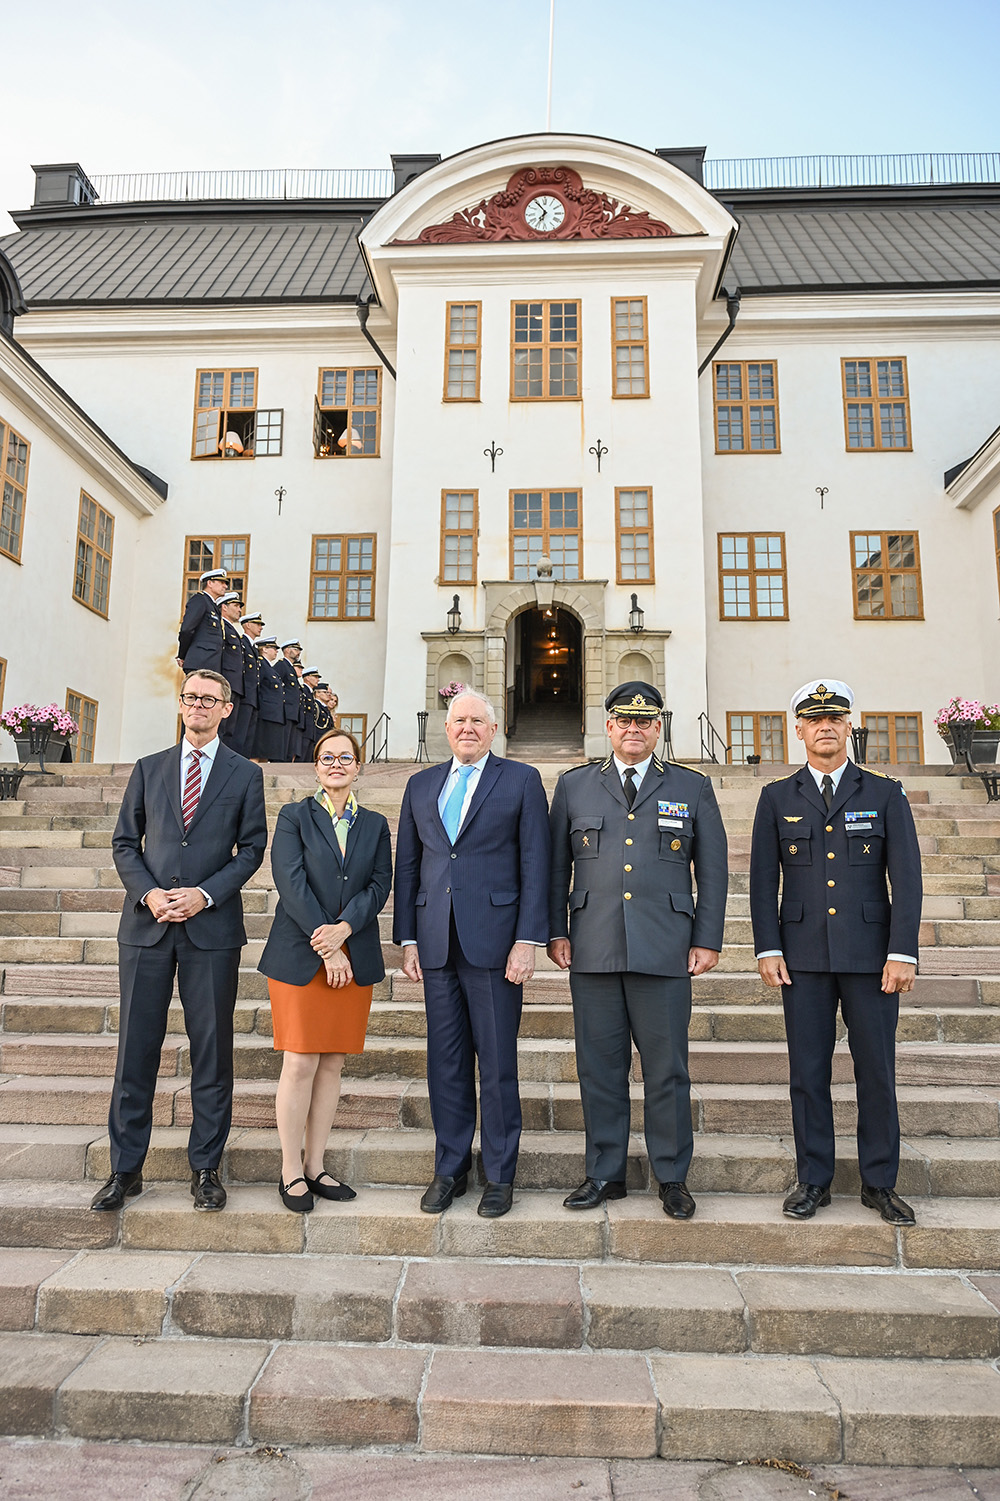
{"x":619,"y":1333}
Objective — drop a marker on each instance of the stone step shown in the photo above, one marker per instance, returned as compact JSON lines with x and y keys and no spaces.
{"x":474,"y":1303}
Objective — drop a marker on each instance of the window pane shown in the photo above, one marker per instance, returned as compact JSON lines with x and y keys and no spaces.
{"x":760,"y":382}
{"x":890,"y":378}
{"x":740,"y":736}
{"x":867,"y":550}
{"x":211,"y":388}
{"x":365,"y":392}
{"x":730,"y":429}
{"x":860,"y":425}
{"x":736,"y":595}
{"x":763,"y":428}
{"x":903,"y":593}
{"x":892,"y":424}
{"x":206,"y":433}
{"x":729,"y":382}
{"x":463,"y":323}
{"x":901,"y":551}
{"x":907,"y":739}
{"x":772,"y":737}
{"x":871,"y":595}
{"x":242,"y":384}
{"x":858,"y":377}
{"x":770,"y":595}
{"x":81,"y":585}
{"x":102,"y":582}
{"x":11,"y":516}
{"x":462,"y":372}
{"x":326,"y":597}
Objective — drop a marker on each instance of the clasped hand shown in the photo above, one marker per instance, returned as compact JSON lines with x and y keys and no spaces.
{"x":176,"y":905}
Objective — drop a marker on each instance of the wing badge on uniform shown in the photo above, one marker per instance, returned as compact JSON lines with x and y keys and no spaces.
{"x":788,"y":818}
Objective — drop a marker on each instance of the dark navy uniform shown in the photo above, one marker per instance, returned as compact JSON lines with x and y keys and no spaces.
{"x":290,"y":682}
{"x":269,"y":741}
{"x":232,"y":671}
{"x":307,"y":721}
{"x":632,"y":920}
{"x":836,"y":927}
{"x":199,"y":641}
{"x":246,"y":730}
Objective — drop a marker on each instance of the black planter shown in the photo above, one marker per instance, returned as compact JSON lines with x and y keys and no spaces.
{"x":985,"y":744}
{"x":10,"y":783}
{"x":43,"y":745}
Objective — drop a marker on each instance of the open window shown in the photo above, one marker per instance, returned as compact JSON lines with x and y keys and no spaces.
{"x":346,"y":414}
{"x":227,"y":422}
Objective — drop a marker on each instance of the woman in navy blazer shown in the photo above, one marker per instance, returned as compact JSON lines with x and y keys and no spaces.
{"x":332,"y":865}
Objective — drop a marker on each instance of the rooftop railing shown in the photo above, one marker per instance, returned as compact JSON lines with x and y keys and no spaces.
{"x":724,"y":175}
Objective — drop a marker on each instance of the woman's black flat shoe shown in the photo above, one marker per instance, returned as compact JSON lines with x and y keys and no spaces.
{"x":297,"y":1203}
{"x":330,"y":1189}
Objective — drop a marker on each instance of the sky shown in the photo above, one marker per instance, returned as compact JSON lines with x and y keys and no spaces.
{"x":143,"y":85}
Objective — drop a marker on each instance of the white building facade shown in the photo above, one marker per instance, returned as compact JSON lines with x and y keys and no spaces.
{"x":529,"y":412}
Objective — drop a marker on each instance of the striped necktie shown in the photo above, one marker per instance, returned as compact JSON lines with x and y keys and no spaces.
{"x":192,"y":789}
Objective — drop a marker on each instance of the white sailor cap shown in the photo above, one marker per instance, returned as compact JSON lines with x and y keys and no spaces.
{"x":213,"y":573}
{"x":820,"y":697}
{"x":255,"y":616}
{"x":307,"y":672}
{"x":267,"y":641}
{"x":227,"y":599}
{"x":292,"y":641}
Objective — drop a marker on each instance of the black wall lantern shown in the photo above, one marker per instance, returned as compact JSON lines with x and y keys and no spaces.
{"x":636,"y":616}
{"x":454,"y":618}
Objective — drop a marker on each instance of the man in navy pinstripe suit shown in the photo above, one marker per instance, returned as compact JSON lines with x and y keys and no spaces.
{"x":470,"y":907}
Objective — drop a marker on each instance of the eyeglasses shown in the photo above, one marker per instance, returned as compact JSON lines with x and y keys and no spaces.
{"x":343,"y":760}
{"x":205,"y":699}
{"x":640,"y":724}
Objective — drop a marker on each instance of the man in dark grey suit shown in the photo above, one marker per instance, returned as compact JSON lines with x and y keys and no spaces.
{"x":630,"y":830}
{"x":184,"y":812}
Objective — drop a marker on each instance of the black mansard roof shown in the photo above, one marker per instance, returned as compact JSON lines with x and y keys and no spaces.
{"x":836,"y":240}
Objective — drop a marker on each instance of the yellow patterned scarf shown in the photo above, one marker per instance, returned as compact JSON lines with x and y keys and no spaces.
{"x":341,"y":823}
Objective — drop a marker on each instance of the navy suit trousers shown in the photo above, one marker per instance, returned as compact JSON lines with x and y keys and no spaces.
{"x":207,"y":980}
{"x":473,"y":1013}
{"x":810,"y":1005}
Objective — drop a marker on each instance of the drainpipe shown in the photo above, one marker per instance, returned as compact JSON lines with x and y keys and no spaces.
{"x":732,"y":308}
{"x":363,"y":311}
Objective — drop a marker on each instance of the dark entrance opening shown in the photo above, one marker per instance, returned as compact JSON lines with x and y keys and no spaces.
{"x":545,"y":700}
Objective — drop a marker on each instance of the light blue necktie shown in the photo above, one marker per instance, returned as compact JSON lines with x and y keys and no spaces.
{"x":453,"y":807}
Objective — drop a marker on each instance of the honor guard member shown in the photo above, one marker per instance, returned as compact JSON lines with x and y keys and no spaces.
{"x":630,"y":830}
{"x":324,"y":719}
{"x":232,"y":669}
{"x":252,"y":625}
{"x":269,"y":741}
{"x":829,"y":835}
{"x":308,"y":685}
{"x":291,"y":651}
{"x":199,"y":641}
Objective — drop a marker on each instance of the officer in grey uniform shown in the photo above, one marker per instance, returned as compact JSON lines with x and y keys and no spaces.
{"x":630,"y":830}
{"x":830,"y":835}
{"x":199,"y":640}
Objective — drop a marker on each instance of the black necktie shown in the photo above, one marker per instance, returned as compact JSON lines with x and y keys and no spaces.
{"x":629,"y":785}
{"x":828,"y":790}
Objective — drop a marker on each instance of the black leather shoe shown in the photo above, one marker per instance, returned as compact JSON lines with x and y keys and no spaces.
{"x":441,"y":1191}
{"x":207,"y":1189}
{"x":594,"y":1191}
{"x":676,"y":1200}
{"x":496,"y":1200}
{"x":297,"y":1203}
{"x":330,"y":1189}
{"x":119,"y":1187}
{"x":893,"y":1209}
{"x":804,"y":1200}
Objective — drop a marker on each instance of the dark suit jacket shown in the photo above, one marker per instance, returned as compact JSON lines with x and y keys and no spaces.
{"x":316,"y":886}
{"x":152,"y":850}
{"x":199,"y":641}
{"x":495,"y":879}
{"x":835,"y":913}
{"x":645,"y":852}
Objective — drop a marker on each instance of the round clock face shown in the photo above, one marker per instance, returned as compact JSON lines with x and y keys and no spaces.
{"x":545,"y":213}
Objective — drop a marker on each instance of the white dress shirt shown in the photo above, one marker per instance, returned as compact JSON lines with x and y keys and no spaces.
{"x":640,"y":771}
{"x":835,"y":777}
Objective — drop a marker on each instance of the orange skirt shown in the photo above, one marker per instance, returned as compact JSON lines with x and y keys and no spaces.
{"x":319,"y":1018}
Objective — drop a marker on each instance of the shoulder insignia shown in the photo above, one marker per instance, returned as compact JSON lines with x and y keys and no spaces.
{"x":581,"y":766}
{"x":774,"y":782}
{"x":658,"y":764}
{"x":685,"y":766}
{"x":883,"y":774}
{"x":606,"y":765}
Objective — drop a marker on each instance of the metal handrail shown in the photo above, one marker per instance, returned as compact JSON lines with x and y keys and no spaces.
{"x":714,"y":739}
{"x":911,"y":169}
{"x":259,"y":183}
{"x":380,"y":752}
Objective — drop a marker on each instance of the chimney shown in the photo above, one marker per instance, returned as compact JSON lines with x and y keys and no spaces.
{"x":59,"y":184}
{"x":406,"y":168}
{"x":690,"y":159}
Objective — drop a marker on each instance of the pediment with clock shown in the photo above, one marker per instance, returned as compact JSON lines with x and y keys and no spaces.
{"x":543,"y":203}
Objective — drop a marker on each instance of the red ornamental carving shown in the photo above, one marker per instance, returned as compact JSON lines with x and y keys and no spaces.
{"x":587,"y":215}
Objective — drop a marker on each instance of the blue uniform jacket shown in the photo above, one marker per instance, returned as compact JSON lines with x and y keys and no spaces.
{"x":199,"y":641}
{"x":835,"y":915}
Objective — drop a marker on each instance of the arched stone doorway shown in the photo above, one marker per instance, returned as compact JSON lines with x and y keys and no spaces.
{"x":544,"y":692}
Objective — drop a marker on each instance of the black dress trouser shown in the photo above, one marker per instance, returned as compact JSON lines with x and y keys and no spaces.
{"x":207,"y":981}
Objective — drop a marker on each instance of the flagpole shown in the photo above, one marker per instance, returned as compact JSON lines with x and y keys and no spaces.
{"x":552,"y":31}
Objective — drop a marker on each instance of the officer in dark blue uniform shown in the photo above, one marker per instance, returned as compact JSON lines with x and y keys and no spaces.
{"x":308,"y":684}
{"x":291,"y":651}
{"x":232,"y":670}
{"x":269,"y":742}
{"x":252,"y":627}
{"x":199,"y":641}
{"x":324,"y":719}
{"x":830,"y":834}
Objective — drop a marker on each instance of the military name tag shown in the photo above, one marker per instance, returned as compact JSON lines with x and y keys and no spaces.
{"x":671,"y":823}
{"x":860,"y":820}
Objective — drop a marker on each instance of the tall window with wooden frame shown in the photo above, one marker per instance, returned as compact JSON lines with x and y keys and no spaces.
{"x":228,"y":424}
{"x":347,"y":413}
{"x":545,"y":522}
{"x":545,"y":351}
{"x":95,"y":531}
{"x":84,"y":711}
{"x":886,"y":569}
{"x":459,"y":534}
{"x":631,"y":346}
{"x":752,"y":581}
{"x":3,"y":680}
{"x":14,"y":454}
{"x":342,"y":579}
{"x":746,"y":406}
{"x":876,"y":405}
{"x":203,"y":554}
{"x":996,"y":541}
{"x":894,"y":739}
{"x":634,"y":535}
{"x":753,"y":734}
{"x":462,"y":351}
{"x":356,"y":725}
